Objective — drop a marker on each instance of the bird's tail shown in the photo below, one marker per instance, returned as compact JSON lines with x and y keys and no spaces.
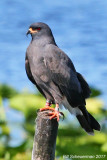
{"x":86,"y":120}
{"x":88,"y":126}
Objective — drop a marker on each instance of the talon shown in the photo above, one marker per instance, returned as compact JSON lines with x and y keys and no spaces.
{"x":61,"y":114}
{"x":56,"y":113}
{"x":47,"y":108}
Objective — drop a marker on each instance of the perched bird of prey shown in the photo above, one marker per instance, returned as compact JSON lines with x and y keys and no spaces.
{"x":55,"y":76}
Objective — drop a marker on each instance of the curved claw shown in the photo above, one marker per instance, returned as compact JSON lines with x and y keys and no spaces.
{"x":56,"y":114}
{"x":55,"y":111}
{"x":61,"y":114}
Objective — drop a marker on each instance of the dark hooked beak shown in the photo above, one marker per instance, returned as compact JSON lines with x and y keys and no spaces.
{"x":28,"y":32}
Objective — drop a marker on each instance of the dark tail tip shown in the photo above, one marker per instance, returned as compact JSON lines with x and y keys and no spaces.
{"x":94,"y":124}
{"x":85,"y":125}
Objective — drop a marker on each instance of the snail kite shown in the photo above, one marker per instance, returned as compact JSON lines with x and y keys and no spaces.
{"x":55,"y":76}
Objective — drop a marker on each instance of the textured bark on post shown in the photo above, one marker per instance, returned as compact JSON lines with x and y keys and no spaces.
{"x":45,"y":137}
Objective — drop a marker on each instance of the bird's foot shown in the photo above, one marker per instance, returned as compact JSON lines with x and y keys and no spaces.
{"x":56,"y":113}
{"x":47,"y":107}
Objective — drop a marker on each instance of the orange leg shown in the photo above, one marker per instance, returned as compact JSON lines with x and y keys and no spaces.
{"x":47,"y":107}
{"x":56,"y":113}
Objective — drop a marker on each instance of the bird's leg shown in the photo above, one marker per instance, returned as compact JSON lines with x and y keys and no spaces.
{"x":56,"y":113}
{"x":47,"y":106}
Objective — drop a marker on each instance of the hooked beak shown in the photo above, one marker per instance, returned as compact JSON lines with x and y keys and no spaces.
{"x":28,"y":32}
{"x":31,"y":31}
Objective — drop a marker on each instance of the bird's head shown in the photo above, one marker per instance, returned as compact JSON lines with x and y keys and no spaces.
{"x":39,"y":29}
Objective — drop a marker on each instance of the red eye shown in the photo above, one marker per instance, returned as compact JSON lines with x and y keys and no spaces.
{"x":39,"y":28}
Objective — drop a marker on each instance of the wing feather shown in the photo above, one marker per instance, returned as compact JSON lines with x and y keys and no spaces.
{"x":30,"y":76}
{"x":64,"y":75}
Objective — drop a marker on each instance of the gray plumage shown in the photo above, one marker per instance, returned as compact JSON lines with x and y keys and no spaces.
{"x":54,"y":74}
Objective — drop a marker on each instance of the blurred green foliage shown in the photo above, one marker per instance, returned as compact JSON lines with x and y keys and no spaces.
{"x":7,"y":91}
{"x":71,"y":140}
{"x":95,"y":92}
{"x":2,"y":112}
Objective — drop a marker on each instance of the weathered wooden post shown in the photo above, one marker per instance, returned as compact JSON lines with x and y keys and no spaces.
{"x":45,"y":137}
